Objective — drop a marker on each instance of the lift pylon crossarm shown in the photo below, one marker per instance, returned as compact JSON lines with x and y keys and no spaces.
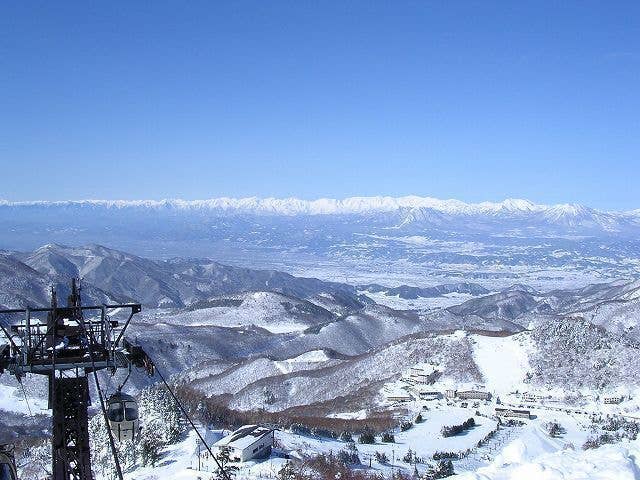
{"x":135,"y":307}
{"x":67,"y":336}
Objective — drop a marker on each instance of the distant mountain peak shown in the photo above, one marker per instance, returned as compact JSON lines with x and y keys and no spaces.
{"x":520,"y":205}
{"x":512,"y":216}
{"x":296,"y":206}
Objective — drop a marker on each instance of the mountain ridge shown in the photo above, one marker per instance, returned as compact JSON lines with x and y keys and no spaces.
{"x":328,"y":206}
{"x":178,"y":282}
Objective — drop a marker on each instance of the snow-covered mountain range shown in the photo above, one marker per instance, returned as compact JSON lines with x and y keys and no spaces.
{"x":110,"y":274}
{"x":421,"y":241}
{"x":330,"y":206}
{"x":302,"y":309}
{"x":267,"y":345}
{"x":288,"y":315}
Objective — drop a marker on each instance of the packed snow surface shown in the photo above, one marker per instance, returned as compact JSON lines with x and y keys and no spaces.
{"x":610,"y":462}
{"x":503,"y":361}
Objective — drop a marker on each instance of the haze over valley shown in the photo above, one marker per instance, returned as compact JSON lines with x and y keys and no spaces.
{"x":419,"y":241}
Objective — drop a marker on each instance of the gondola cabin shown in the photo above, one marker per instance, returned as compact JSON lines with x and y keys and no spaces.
{"x":122,"y":412}
{"x":7,"y":464}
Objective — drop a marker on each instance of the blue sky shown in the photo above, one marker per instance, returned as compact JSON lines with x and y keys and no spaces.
{"x":470,"y":100}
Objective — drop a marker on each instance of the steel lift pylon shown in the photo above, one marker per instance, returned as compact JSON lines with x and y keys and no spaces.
{"x":67,"y":348}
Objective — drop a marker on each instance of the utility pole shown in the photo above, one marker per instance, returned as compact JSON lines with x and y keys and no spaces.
{"x":393,"y":461}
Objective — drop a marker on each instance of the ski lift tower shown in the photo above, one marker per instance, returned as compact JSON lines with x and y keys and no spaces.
{"x":66,"y":349}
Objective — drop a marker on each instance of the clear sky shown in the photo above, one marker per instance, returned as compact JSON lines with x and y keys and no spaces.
{"x":471,"y":100}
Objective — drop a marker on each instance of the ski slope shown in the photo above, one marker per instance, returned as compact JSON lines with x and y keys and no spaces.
{"x":503,"y":361}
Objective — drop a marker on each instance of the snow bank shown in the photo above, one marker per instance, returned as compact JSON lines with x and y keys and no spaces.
{"x":611,"y":462}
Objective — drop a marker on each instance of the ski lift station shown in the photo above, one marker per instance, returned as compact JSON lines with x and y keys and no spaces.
{"x":246,"y":443}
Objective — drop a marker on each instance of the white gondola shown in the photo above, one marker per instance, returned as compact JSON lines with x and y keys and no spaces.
{"x":7,"y":464}
{"x":122,"y":412}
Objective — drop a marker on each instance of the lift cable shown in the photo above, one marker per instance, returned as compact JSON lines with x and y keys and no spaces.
{"x":112,"y":444}
{"x":26,"y":399}
{"x":184,"y":412}
{"x":175,"y":398}
{"x":106,"y":420}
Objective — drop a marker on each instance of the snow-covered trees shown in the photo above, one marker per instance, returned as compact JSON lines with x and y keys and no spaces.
{"x":35,"y":460}
{"x":404,"y":426}
{"x":553,"y":429}
{"x":159,"y":413}
{"x":225,"y":469}
{"x":615,"y":429}
{"x":349,"y":455}
{"x":381,"y":457}
{"x":451,"y":430}
{"x":409,"y":457}
{"x":367,"y":437}
{"x":595,"y":442}
{"x":101,"y":455}
{"x":269,"y":397}
{"x":591,"y":356}
{"x":161,"y":425}
{"x":149,"y":448}
{"x":346,"y":436}
{"x":287,"y":472}
{"x":388,"y":437}
{"x":443,"y":469}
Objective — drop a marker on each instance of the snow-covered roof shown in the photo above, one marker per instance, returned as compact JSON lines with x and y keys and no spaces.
{"x":395,"y":391}
{"x":243,"y":437}
{"x":423,"y":368}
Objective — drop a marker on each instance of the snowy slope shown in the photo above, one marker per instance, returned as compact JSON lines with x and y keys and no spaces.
{"x":115,"y":274}
{"x":610,"y":462}
{"x":503,"y":361}
{"x":274,"y":312}
{"x":358,"y":376}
